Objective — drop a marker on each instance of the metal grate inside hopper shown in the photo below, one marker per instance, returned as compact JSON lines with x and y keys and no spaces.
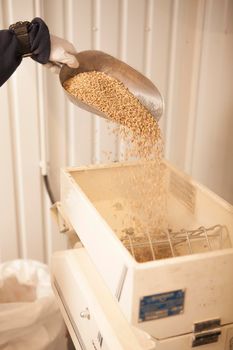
{"x":170,"y":243}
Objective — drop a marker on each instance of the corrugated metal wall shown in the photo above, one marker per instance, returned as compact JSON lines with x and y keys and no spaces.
{"x":184,"y":46}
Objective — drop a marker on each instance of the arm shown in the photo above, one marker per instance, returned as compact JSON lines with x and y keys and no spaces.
{"x":41,"y":46}
{"x":9,"y":59}
{"x":10,"y":48}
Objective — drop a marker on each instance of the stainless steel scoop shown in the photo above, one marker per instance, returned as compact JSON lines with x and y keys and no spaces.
{"x":140,"y":86}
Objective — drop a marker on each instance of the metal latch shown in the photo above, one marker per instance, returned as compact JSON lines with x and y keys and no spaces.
{"x":64,"y":224}
{"x":206,"y":332}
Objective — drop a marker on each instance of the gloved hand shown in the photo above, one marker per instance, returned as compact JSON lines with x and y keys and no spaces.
{"x":62,"y":51}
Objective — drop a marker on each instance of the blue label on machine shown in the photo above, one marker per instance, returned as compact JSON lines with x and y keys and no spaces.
{"x":157,"y":306}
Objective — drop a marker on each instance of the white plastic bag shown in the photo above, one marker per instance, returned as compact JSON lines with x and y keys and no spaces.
{"x":29,"y":315}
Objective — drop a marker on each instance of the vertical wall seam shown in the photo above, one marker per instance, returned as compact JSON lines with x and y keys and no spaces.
{"x":225,"y":29}
{"x":122,"y":36}
{"x":12,"y":147}
{"x":170,"y":79}
{"x":43,"y":143}
{"x":206,"y":18}
{"x":1,"y":23}
{"x":122,"y":53}
{"x":16,"y":156}
{"x":65,"y":106}
{"x":95,"y":123}
{"x":69,"y":108}
{"x":195,"y":86}
{"x":149,"y":6}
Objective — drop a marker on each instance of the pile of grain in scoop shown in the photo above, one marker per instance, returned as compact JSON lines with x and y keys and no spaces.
{"x":112,"y":98}
{"x":142,"y":136}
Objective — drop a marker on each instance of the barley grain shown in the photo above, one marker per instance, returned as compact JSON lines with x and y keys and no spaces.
{"x":141,"y":132}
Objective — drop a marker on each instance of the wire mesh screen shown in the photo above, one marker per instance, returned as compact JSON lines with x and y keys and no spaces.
{"x":176,"y":243}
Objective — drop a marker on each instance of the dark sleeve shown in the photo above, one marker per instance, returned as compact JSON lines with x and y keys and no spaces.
{"x":10,"y":56}
{"x":9,"y":59}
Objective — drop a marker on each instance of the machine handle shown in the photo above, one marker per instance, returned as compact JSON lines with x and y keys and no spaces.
{"x":64,"y":224}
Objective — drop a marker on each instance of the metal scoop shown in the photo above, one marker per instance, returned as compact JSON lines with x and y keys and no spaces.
{"x":140,"y":86}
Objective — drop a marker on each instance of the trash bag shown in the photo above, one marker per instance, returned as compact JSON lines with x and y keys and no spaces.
{"x":29,"y":315}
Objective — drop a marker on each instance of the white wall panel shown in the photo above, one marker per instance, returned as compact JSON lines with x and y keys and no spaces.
{"x":82,"y":120}
{"x":213,"y":145}
{"x":22,"y":107}
{"x":183,"y":32}
{"x":161,"y":52}
{"x":9,"y":224}
{"x":108,"y":42}
{"x":9,"y":215}
{"x":184,"y":46}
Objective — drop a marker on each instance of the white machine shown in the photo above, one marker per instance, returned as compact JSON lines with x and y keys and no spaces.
{"x":177,"y":301}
